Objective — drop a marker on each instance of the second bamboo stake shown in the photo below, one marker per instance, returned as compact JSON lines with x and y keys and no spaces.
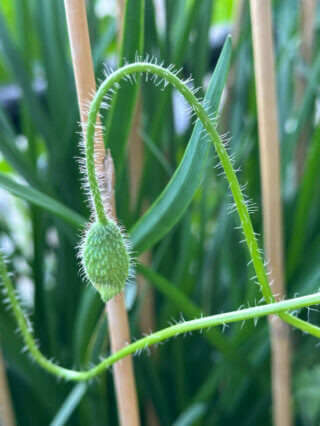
{"x":271,"y":195}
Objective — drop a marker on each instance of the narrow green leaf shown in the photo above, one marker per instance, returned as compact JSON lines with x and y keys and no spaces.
{"x":70,"y":404}
{"x":174,"y":200}
{"x":40,"y":199}
{"x":192,"y":414}
{"x":308,"y":186}
{"x":56,"y":67}
{"x":16,"y":64}
{"x":103,"y":44}
{"x":304,"y":112}
{"x":17,"y":160}
{"x":183,"y":31}
{"x":120,"y":116}
{"x":180,"y":47}
{"x":307,"y":393}
{"x":89,"y":309}
{"x":199,"y":48}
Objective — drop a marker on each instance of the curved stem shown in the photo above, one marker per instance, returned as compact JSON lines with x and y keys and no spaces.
{"x":246,"y":224}
{"x":91,"y":168}
{"x":153,"y":339}
{"x":279,"y":308}
{"x":145,"y":67}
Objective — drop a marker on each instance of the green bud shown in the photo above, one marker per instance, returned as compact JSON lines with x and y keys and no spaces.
{"x":106,"y":259}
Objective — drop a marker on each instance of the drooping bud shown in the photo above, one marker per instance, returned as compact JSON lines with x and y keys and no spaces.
{"x":105,"y":258}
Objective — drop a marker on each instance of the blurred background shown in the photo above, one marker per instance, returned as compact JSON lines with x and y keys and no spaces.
{"x":222,"y":380}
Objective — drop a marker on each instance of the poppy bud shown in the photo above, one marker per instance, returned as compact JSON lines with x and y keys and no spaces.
{"x":105,"y":258}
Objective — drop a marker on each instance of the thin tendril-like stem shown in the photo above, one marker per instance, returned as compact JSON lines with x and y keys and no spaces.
{"x":246,"y":224}
{"x":279,"y":308}
{"x":152,"y":339}
{"x":91,"y":171}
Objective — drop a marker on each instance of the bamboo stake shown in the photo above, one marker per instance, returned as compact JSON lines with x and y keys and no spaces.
{"x":308,"y":12}
{"x":307,"y":17}
{"x":116,"y":312}
{"x":6,"y":410}
{"x":118,"y":320}
{"x":121,"y":12}
{"x":82,"y":63}
{"x":272,"y":213}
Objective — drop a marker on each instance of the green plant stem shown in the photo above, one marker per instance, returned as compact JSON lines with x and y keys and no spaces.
{"x":91,"y":173}
{"x":145,"y":67}
{"x":152,"y":339}
{"x":279,"y":308}
{"x":246,"y":224}
{"x":207,"y":322}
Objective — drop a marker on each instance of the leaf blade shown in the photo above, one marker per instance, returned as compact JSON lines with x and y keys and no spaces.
{"x":175,"y":198}
{"x":123,"y":105}
{"x":42,"y":200}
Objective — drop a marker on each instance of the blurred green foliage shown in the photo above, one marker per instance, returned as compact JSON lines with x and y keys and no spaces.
{"x":223,"y":378}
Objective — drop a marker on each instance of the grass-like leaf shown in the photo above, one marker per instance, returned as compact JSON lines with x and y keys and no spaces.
{"x":165,"y":212}
{"x":40,"y":199}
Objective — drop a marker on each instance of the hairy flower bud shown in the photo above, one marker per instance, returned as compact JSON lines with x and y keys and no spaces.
{"x":105,"y":258}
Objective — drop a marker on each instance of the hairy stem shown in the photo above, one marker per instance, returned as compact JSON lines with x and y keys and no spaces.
{"x":152,"y":339}
{"x":271,"y":307}
{"x":246,"y":224}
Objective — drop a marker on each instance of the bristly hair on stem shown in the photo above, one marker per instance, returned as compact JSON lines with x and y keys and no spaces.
{"x":178,"y":328}
{"x":165,"y":76}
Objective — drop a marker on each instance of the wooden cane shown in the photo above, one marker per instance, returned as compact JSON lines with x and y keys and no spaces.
{"x":271,"y":195}
{"x":115,"y":308}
